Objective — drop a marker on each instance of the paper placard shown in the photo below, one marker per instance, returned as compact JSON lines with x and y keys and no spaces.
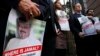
{"x":63,"y":20}
{"x":82,"y":19}
{"x":88,"y":28}
{"x":30,"y":44}
{"x":97,"y":23}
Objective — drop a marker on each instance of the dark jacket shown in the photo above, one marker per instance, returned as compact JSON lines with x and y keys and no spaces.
{"x":74,"y":23}
{"x":46,"y":8}
{"x":75,"y":26}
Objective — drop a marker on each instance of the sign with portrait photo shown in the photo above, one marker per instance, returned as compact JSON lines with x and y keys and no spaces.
{"x":23,"y":37}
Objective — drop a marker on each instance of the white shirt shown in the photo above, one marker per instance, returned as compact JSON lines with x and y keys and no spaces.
{"x":16,"y":43}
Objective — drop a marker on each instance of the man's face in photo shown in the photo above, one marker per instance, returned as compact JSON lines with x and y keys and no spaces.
{"x":23,"y":29}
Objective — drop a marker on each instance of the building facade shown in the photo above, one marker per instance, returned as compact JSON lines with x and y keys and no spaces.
{"x":95,"y":5}
{"x":90,"y":4}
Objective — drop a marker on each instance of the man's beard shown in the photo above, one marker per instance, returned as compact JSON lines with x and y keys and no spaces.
{"x":90,"y":14}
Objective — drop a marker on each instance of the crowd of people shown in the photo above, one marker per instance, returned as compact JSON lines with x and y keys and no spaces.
{"x":87,"y":43}
{"x":87,"y":40}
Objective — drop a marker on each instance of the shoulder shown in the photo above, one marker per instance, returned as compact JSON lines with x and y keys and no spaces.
{"x":36,"y":41}
{"x":12,"y":40}
{"x":72,"y":15}
{"x":9,"y":45}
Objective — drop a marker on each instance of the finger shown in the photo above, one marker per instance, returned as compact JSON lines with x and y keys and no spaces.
{"x":31,"y":13}
{"x":36,"y":11}
{"x":27,"y":15}
{"x":32,"y":10}
{"x":36,"y":7}
{"x":36,"y":4}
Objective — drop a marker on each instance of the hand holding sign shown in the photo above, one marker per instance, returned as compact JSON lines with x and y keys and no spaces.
{"x":81,"y":34}
{"x":27,"y":7}
{"x":98,"y":31}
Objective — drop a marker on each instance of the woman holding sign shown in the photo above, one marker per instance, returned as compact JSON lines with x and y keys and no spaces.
{"x":61,"y":46}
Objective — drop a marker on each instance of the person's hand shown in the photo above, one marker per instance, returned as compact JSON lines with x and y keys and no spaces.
{"x":98,"y":31}
{"x":29,"y":8}
{"x":58,"y":32}
{"x":81,"y":34}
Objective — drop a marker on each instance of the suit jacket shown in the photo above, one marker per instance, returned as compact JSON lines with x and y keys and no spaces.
{"x":46,"y":6}
{"x":75,"y":26}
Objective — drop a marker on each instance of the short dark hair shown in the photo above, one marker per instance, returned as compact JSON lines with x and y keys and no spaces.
{"x":22,"y":19}
{"x":88,"y":10}
{"x":75,"y":5}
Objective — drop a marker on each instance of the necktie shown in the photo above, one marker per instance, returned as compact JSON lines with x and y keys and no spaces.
{"x":92,"y":20}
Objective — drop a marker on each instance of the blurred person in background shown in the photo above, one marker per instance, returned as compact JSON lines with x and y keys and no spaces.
{"x":94,"y":47}
{"x":75,"y":28}
{"x":61,"y":46}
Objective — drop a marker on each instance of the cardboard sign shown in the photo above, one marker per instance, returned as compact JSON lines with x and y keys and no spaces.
{"x":23,"y":39}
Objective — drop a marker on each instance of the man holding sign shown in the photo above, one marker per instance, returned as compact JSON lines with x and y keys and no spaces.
{"x":76,"y":29}
{"x":95,"y":39}
{"x":84,"y":32}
